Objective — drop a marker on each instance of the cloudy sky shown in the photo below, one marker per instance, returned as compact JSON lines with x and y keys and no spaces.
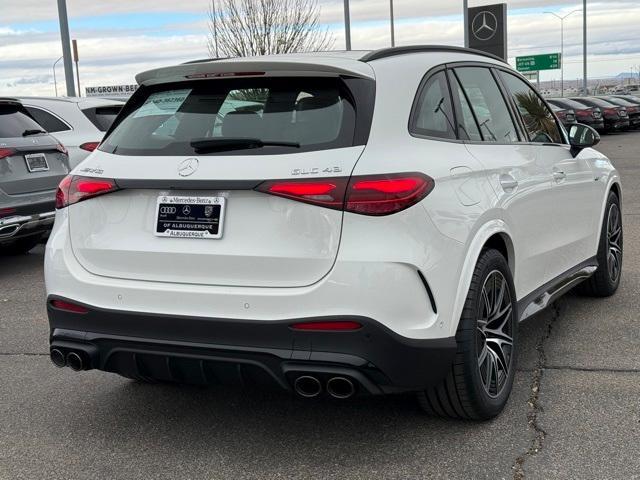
{"x":118,"y":38}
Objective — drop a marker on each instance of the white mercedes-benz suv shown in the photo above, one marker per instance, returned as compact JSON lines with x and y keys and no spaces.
{"x":335,"y":224}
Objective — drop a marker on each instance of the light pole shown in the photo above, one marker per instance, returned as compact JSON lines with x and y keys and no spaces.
{"x":465,"y":16}
{"x":347,"y":25}
{"x":584,"y":48}
{"x":66,"y":47}
{"x":393,"y":33}
{"x":562,"y":19}
{"x":55,"y":82}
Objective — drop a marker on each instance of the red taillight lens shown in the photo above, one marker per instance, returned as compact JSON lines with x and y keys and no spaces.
{"x":5,"y":212}
{"x":610,"y":111}
{"x":89,"y":146}
{"x":73,"y":189}
{"x":6,"y":152}
{"x":68,"y":306}
{"x":386,"y":194}
{"x":366,"y":195}
{"x":337,"y":326}
{"x":584,"y":113}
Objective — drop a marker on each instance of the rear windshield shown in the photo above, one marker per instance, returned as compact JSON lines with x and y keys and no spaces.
{"x":277,"y":115}
{"x":102,"y":117}
{"x":598,"y":102}
{"x":14,"y":121}
{"x":570,"y":104}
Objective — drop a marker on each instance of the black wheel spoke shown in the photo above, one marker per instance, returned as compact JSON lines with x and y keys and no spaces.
{"x":614,"y":243}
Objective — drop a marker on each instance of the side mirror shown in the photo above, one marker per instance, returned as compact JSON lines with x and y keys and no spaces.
{"x":581,"y":137}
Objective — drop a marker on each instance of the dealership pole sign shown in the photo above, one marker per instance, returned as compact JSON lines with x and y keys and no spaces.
{"x":487,"y":29}
{"x":535,"y":63}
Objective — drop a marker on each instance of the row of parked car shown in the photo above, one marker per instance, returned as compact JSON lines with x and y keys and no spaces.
{"x":41,"y":140}
{"x":609,"y":113}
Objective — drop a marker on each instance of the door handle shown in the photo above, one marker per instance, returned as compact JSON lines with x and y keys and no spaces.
{"x":559,"y":176}
{"x":508,"y":183}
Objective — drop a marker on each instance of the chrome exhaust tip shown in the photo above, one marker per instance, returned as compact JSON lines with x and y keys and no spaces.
{"x":74,"y":361}
{"x":307,"y":386}
{"x":340,"y":387}
{"x":57,"y":358}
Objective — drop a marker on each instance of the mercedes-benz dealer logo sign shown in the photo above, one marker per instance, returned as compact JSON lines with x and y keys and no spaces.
{"x":484,"y":26}
{"x":188,"y":166}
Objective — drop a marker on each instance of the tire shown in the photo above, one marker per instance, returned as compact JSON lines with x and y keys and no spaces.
{"x":21,"y":245}
{"x":604,"y":283}
{"x":470,"y":391}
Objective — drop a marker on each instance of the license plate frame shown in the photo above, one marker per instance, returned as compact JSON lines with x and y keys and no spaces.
{"x":190,"y":216}
{"x":36,"y":162}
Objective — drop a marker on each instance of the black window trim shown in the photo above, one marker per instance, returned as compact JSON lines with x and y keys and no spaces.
{"x":38,"y":107}
{"x":415,"y":107}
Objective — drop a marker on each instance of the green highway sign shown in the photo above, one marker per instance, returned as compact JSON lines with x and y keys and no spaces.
{"x":535,"y":63}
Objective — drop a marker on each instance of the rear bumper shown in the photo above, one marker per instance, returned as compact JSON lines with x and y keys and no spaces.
{"x":23,"y":225}
{"x":223,"y":351}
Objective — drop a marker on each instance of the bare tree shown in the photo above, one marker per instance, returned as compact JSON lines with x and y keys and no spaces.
{"x":241,"y":28}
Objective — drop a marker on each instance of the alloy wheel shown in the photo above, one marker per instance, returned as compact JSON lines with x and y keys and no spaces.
{"x":495,"y":333}
{"x":614,"y":243}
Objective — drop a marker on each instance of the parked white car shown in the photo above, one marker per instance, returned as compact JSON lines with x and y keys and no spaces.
{"x":380,"y":222}
{"x":79,"y":123}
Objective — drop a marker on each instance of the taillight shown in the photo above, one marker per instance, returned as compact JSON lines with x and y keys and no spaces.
{"x":5,"y":212}
{"x":6,"y":152}
{"x":89,"y":146}
{"x":584,"y":113}
{"x":366,"y":195}
{"x":611,"y":111}
{"x":328,"y":326}
{"x":68,"y":306}
{"x":74,"y":189}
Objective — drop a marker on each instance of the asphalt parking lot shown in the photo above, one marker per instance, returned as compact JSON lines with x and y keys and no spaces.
{"x":574,"y":411}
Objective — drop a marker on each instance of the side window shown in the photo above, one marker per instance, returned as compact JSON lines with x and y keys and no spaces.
{"x":538,"y":120}
{"x":47,"y":121}
{"x":433,"y":115}
{"x":488,"y":104}
{"x":467,"y":126}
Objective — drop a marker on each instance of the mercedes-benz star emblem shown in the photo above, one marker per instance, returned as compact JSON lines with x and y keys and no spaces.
{"x":188,"y":166}
{"x":484,"y":26}
{"x":186,"y":210}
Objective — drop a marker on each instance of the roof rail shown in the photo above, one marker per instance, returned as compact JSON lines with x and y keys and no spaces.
{"x":393,"y":51}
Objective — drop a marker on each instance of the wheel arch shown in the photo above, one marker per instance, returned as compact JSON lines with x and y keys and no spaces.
{"x":493,"y":234}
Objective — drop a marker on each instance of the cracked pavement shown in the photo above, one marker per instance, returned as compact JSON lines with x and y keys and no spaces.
{"x":574,"y":412}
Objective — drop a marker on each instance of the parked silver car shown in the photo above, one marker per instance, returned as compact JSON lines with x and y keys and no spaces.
{"x":79,"y":123}
{"x":32,"y":163}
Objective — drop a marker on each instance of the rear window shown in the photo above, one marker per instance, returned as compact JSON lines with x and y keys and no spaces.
{"x":598,"y":102}
{"x":102,"y":117}
{"x":566,"y":103}
{"x":14,"y":121}
{"x":282,"y":115}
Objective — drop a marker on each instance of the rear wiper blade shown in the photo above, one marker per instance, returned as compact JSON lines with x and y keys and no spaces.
{"x":26,"y":133}
{"x":222,"y":144}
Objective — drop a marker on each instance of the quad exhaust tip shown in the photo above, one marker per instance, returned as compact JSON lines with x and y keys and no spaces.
{"x":57,"y":358}
{"x":340,"y":387}
{"x":307,"y":386}
{"x":74,"y":361}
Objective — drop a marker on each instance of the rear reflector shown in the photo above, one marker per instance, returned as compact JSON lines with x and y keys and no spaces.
{"x":5,"y":212}
{"x":366,"y":195}
{"x":337,"y":326}
{"x":6,"y":152}
{"x":74,"y":189}
{"x":89,"y":146}
{"x":68,"y":306}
